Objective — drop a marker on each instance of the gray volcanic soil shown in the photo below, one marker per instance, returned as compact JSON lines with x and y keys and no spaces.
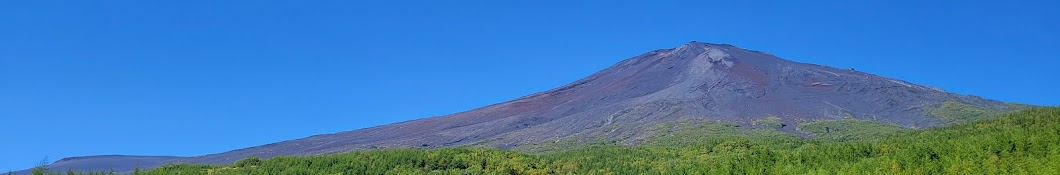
{"x":697,"y":81}
{"x":119,"y":163}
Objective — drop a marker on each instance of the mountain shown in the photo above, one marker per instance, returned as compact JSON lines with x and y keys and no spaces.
{"x":694,"y":82}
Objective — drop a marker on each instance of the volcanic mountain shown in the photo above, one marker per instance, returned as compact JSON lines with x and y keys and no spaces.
{"x":696,"y":81}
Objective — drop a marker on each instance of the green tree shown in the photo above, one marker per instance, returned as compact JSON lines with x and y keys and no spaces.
{"x":248,"y":162}
{"x":41,"y":168}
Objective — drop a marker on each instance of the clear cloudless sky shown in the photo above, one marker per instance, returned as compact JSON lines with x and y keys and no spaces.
{"x":189,"y":78}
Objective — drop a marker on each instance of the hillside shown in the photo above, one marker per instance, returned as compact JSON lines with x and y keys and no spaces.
{"x":626,"y":103}
{"x":1026,"y":142}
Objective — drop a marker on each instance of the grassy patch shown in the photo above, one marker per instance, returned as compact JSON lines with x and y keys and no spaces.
{"x":769,"y":121}
{"x":953,"y":111}
{"x":845,"y":130}
{"x":711,"y":132}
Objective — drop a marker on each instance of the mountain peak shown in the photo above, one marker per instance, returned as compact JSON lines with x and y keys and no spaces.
{"x":699,"y":46}
{"x":700,"y":43}
{"x":706,"y":54}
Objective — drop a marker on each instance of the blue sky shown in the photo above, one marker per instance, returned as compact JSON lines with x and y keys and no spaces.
{"x":198,"y":77}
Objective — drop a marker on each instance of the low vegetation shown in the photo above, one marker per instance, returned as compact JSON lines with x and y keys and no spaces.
{"x":954,"y":111}
{"x":770,"y":121}
{"x":1026,"y":142}
{"x":848,"y":130}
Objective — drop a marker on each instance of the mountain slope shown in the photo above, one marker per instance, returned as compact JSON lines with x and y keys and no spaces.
{"x":696,"y":81}
{"x":980,"y":147}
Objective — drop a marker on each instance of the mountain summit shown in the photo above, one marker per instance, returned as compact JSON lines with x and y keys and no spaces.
{"x":693,"y":82}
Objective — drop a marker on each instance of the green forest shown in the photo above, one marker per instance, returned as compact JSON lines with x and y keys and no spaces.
{"x":1024,"y":142}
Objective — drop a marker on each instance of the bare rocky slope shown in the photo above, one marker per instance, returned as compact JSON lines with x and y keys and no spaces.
{"x":696,"y":81}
